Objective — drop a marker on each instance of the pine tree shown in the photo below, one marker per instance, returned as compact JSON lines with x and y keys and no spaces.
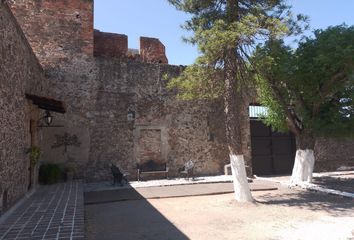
{"x":225,"y":32}
{"x":309,"y":91}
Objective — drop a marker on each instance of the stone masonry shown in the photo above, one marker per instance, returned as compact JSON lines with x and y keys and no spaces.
{"x":20,"y":73}
{"x":100,"y":89}
{"x":56,"y":30}
{"x":100,"y":85}
{"x":108,"y":89}
{"x":110,"y":44}
{"x":152,"y":50}
{"x":113,"y":45}
{"x":332,"y":154}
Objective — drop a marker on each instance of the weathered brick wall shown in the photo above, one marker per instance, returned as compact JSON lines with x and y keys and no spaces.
{"x":57,"y":30}
{"x":113,"y":45}
{"x":110,"y":44}
{"x":20,"y":73}
{"x":61,"y":30}
{"x":152,"y":50}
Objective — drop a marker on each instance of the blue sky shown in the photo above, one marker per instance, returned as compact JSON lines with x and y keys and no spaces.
{"x":156,"y":18}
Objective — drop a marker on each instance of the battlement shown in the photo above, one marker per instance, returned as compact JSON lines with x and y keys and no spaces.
{"x":61,"y":30}
{"x":114,"y":45}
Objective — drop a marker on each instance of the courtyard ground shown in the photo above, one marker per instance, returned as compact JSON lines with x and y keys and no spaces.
{"x":184,"y":209}
{"x":276,"y":214}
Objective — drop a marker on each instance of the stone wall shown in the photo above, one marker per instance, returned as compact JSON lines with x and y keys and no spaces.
{"x":100,"y":92}
{"x":20,"y":73}
{"x":57,"y":30}
{"x":332,"y":154}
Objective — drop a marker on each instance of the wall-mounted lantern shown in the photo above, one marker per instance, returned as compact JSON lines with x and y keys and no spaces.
{"x":48,"y":118}
{"x":130,"y":115}
{"x":47,"y":104}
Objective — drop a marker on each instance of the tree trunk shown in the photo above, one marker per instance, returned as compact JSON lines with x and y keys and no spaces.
{"x":304,"y":160}
{"x":233,"y":132}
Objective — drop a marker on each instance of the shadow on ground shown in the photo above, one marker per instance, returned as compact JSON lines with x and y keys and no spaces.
{"x":340,"y":184}
{"x":129,"y":220}
{"x":126,"y":214}
{"x":315,"y":201}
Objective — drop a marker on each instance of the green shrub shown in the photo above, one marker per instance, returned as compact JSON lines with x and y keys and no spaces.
{"x":50,"y":173}
{"x":34,"y":154}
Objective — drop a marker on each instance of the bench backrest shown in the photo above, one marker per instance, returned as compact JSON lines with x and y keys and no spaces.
{"x":151,"y":166}
{"x":189,"y":165}
{"x":115,"y":170}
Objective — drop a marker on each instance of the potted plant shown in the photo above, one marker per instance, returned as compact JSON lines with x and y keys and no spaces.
{"x":34,"y":153}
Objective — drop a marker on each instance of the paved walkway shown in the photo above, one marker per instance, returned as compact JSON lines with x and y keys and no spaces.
{"x":52,"y":212}
{"x":172,"y":191}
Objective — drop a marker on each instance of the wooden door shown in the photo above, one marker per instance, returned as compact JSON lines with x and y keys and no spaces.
{"x":273,"y":153}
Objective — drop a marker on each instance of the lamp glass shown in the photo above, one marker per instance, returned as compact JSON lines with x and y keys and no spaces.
{"x":48,"y":118}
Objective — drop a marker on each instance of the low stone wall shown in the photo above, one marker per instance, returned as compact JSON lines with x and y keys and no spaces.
{"x":332,"y":154}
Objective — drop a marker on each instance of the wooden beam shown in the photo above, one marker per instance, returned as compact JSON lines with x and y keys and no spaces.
{"x":47,"y":103}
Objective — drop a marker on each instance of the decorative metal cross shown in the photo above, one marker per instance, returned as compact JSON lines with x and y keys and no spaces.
{"x":66,"y":140}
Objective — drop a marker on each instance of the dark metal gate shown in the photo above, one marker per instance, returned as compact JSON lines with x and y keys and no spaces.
{"x":272,"y":152}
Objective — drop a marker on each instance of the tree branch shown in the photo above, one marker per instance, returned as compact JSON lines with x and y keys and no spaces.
{"x":325,"y":89}
{"x":292,"y":120}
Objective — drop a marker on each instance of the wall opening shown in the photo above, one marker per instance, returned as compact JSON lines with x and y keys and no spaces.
{"x":273,"y":152}
{"x":257,"y":111}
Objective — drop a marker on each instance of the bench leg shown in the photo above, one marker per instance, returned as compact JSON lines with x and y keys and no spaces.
{"x":125,"y":179}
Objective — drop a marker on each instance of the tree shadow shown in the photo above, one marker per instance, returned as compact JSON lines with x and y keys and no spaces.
{"x":125,"y":214}
{"x":307,"y":200}
{"x":340,"y":184}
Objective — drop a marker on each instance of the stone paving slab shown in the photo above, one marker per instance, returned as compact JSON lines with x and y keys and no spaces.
{"x":125,"y":194}
{"x":52,"y":212}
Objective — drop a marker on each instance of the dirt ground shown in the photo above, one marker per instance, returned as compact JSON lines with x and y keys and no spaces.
{"x":280,"y":214}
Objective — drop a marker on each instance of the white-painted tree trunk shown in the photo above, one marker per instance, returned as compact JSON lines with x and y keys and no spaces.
{"x":242,"y":189}
{"x":303,"y":167}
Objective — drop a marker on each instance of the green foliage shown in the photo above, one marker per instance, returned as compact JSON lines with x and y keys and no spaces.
{"x":34,"y":154}
{"x":310,"y":89}
{"x":50,"y":173}
{"x":222,"y":27}
{"x":197,"y":82}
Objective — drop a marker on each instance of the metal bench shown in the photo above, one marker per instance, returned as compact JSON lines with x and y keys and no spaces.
{"x":151,"y":167}
{"x":188,"y":169}
{"x":118,"y":175}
